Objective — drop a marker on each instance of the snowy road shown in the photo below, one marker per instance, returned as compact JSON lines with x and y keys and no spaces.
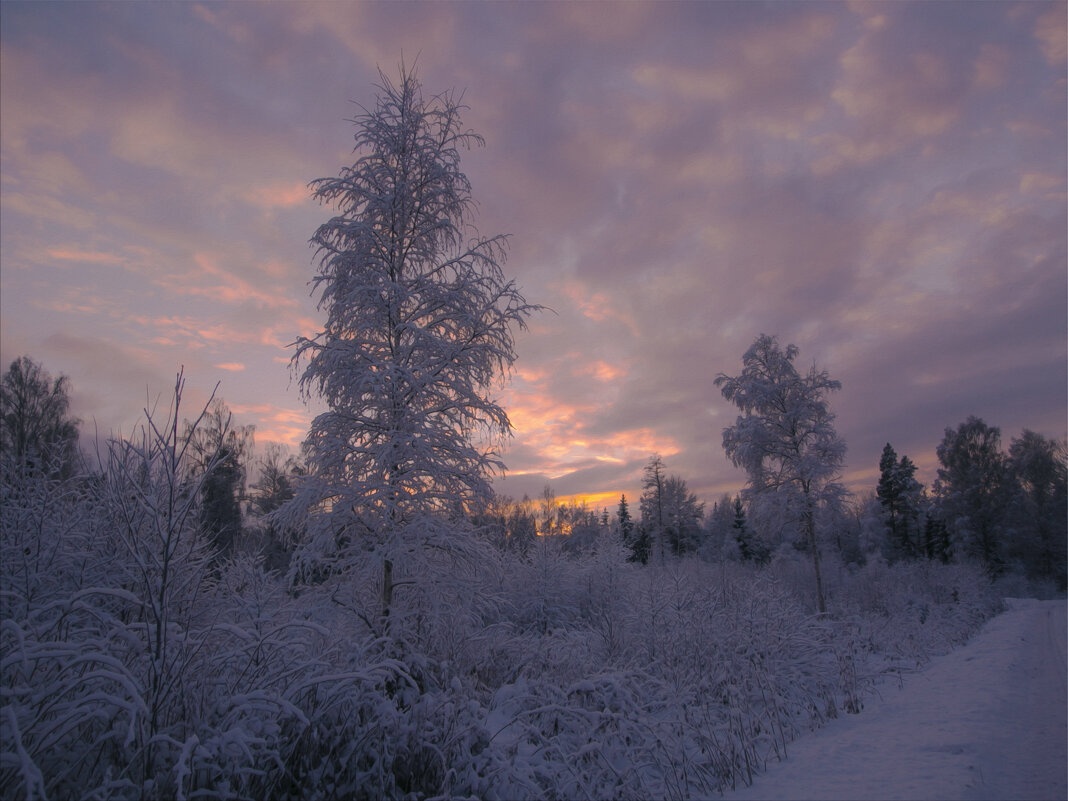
{"x":988,"y":721}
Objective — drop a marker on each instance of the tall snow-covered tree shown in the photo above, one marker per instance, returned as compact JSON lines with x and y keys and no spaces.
{"x":671,"y":514}
{"x":624,"y":521}
{"x":419,"y":330}
{"x":1039,"y":513}
{"x":899,"y":495}
{"x":973,"y":491}
{"x":785,"y":438}
{"x":682,"y":515}
{"x":37,"y":433}
{"x":653,"y":520}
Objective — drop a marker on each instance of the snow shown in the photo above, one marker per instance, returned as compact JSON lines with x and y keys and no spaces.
{"x":987,"y":721}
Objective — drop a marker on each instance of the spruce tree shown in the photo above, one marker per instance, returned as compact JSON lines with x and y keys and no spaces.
{"x":899,"y":495}
{"x":626,"y":525}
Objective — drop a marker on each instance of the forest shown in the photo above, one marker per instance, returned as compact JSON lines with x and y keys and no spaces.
{"x":182,"y":617}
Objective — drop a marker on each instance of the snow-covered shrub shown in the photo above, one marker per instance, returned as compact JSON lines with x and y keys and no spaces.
{"x":902,"y":614}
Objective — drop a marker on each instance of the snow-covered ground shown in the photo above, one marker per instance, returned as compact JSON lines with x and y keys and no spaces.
{"x":988,"y":721}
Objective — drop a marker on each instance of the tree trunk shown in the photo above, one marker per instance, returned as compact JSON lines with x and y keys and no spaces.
{"x":387,"y":587}
{"x":810,"y":531}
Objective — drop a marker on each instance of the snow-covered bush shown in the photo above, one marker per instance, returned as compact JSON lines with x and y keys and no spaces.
{"x":910,"y":611}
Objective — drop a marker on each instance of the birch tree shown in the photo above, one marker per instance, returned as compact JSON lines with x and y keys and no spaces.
{"x":785,"y":438}
{"x":419,"y":330}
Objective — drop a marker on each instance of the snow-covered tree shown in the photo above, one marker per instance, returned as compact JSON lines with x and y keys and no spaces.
{"x":750,"y":547}
{"x":900,"y":495}
{"x":419,"y":329}
{"x":549,"y":517}
{"x":624,"y":522}
{"x":973,"y":490}
{"x":654,"y":520}
{"x":671,"y":514}
{"x":1039,"y":513}
{"x":682,"y":515}
{"x":785,"y":437}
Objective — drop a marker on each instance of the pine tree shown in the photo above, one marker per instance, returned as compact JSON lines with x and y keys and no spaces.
{"x":936,"y":540}
{"x":626,"y":525}
{"x":899,"y":495}
{"x":641,"y":546}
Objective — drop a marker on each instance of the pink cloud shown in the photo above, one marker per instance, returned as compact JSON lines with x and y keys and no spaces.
{"x":209,"y":280}
{"x":1051,"y":31}
{"x":84,"y":256}
{"x":279,"y":196}
{"x":603,"y":371}
{"x":276,"y":424}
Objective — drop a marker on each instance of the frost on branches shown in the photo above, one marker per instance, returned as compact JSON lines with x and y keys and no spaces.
{"x":785,"y":438}
{"x":419,"y":329}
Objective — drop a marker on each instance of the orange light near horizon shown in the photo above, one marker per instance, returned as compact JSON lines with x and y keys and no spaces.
{"x":593,"y":500}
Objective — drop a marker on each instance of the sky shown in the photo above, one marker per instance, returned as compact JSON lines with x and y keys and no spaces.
{"x":881,"y":185}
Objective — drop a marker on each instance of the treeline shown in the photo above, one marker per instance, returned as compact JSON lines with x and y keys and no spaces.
{"x":1006,"y":510}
